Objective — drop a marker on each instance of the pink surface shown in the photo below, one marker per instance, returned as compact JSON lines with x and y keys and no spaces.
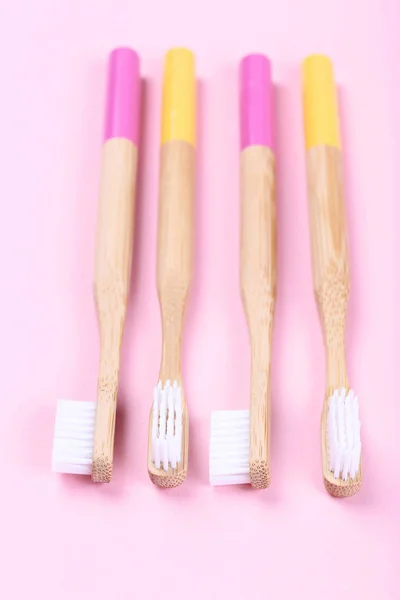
{"x":256,"y":113}
{"x":123,"y":95}
{"x":64,"y":538}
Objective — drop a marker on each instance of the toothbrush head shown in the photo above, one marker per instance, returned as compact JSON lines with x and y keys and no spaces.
{"x":168,"y":436}
{"x":74,"y":447}
{"x":233,"y":459}
{"x":341,"y":443}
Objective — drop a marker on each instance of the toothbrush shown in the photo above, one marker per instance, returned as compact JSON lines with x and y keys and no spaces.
{"x":340,"y":424}
{"x":84,"y":431}
{"x":239,"y":445}
{"x":168,"y":437}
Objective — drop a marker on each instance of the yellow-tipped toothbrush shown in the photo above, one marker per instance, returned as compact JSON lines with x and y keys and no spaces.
{"x":168,"y":436}
{"x":340,"y":424}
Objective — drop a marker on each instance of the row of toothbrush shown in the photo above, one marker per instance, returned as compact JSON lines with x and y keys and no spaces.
{"x":240,"y":439}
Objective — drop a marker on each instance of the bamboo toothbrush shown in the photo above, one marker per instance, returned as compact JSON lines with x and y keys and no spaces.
{"x":239,"y":445}
{"x":168,"y":437}
{"x":340,"y":424}
{"x":84,"y":431}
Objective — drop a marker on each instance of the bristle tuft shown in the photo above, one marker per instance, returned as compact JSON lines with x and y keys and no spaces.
{"x":74,"y":437}
{"x":167,"y":425}
{"x":230,"y":447}
{"x":344,"y":434}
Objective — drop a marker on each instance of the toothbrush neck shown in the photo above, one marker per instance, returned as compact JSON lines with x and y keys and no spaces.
{"x":171,"y":350}
{"x":336,"y":371}
{"x":107,"y":383}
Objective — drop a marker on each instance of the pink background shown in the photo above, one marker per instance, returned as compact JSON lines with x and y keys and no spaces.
{"x":64,"y":538}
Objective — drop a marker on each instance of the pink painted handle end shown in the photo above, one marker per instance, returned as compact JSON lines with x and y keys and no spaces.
{"x":123,"y":96}
{"x":255,"y":101}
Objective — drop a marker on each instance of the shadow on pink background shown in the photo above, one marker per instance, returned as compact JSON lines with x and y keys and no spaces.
{"x":63,"y":537}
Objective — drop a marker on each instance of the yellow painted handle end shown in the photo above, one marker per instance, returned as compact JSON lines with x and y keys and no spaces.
{"x":321,"y":118}
{"x":179,"y":97}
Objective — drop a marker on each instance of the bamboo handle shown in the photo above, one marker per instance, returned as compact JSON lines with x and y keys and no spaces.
{"x":258,"y":285}
{"x":175,"y":248}
{"x":176,"y":203}
{"x":329,"y":254}
{"x":111,"y":287}
{"x":326,"y":210}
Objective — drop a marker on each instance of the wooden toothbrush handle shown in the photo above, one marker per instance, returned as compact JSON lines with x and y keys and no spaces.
{"x":114,"y":243}
{"x":175,"y":247}
{"x":258,"y":273}
{"x":329,"y":253}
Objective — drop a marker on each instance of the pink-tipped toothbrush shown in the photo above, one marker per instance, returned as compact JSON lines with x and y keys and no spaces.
{"x":239,"y":447}
{"x":84,"y":431}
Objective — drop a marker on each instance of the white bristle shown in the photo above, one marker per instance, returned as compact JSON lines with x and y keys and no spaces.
{"x":73,"y":437}
{"x":162,"y":437}
{"x":344,"y":434}
{"x":167,"y":425}
{"x":156,"y":449}
{"x":230,"y":447}
{"x":178,"y":423}
{"x":170,"y":429}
